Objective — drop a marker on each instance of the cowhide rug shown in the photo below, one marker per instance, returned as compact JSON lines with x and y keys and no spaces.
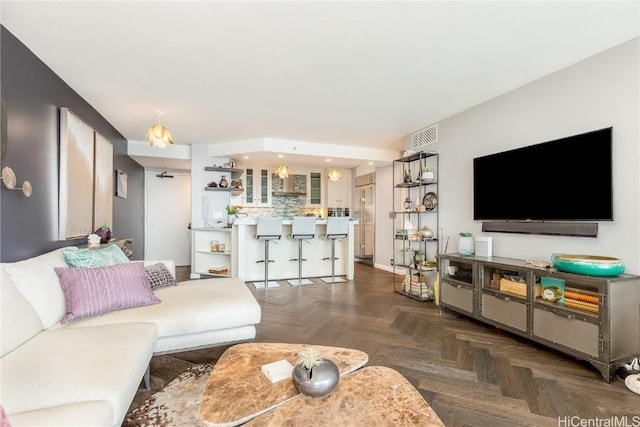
{"x":175,"y":405}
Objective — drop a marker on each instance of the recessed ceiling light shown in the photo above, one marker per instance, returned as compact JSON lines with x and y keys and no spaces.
{"x":327,"y":160}
{"x":280,"y":156}
{"x":245,"y":157}
{"x":370,"y":163}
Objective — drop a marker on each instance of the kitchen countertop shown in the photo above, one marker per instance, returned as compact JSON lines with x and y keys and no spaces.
{"x":286,"y":221}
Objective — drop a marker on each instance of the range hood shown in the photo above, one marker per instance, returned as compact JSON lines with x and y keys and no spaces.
{"x":293,"y":185}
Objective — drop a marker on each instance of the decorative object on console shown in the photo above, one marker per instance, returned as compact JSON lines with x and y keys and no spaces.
{"x":484,"y":246}
{"x":466,"y":244}
{"x":314,"y":375}
{"x":552,"y":289}
{"x":93,"y":240}
{"x":158,"y":135}
{"x":589,"y":265}
{"x":104,"y":232}
{"x":9,"y":179}
{"x":539,"y":263}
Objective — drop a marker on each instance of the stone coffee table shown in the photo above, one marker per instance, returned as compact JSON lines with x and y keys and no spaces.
{"x":238,"y":391}
{"x":372,"y":396}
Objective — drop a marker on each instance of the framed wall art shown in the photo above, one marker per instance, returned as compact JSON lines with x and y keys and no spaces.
{"x":85,"y":178}
{"x":121,"y":184}
{"x":76,"y":177}
{"x":103,"y":187}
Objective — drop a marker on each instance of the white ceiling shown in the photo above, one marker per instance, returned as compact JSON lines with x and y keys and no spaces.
{"x":353,"y":73}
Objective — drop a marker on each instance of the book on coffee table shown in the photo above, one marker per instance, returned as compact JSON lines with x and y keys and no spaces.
{"x":277,"y":371}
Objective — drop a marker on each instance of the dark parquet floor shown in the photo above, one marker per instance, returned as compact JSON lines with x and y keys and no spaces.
{"x":470,"y":373}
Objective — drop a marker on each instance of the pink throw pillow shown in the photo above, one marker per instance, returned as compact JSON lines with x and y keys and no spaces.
{"x":92,"y":291}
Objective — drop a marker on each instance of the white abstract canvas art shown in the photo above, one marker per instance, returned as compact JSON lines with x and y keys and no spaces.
{"x":76,"y":176}
{"x":103,"y":189}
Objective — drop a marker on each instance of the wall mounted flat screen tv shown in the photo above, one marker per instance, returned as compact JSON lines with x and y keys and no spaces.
{"x":568,"y":179}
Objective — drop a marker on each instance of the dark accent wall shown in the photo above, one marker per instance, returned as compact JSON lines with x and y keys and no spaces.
{"x":33,"y":93}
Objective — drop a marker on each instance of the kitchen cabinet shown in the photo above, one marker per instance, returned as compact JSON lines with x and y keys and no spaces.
{"x":338,"y":193}
{"x":257,"y":192}
{"x":415,"y":227}
{"x":315,"y":190}
{"x":595,"y":319}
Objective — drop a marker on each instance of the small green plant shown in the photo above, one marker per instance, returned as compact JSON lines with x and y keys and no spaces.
{"x":466,"y":234}
{"x":426,"y":169}
{"x":310,"y":358}
{"x":233,"y":209}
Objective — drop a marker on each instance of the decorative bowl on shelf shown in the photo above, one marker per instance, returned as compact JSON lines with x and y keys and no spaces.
{"x":589,"y":265}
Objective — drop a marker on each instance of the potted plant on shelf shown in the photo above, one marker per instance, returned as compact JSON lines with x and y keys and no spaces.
{"x":466,"y":244}
{"x":314,"y":375}
{"x":104,"y":232}
{"x":427,"y":174}
{"x":232,"y":212}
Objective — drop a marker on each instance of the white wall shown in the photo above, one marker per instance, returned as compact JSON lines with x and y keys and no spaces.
{"x":384,"y":225}
{"x":598,"y":92}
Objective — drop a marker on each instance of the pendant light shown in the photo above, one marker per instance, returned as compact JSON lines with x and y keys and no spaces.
{"x":334,"y":175}
{"x":158,"y":135}
{"x":282,"y":171}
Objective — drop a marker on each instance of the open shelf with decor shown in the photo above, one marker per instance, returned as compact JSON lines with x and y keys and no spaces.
{"x":415,"y":239}
{"x":233,"y":185}
{"x":213,"y":252}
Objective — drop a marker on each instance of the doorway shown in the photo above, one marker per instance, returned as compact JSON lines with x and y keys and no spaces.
{"x":167,"y":217}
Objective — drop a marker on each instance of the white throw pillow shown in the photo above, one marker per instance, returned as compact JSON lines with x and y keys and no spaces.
{"x":38,"y":282}
{"x":19,"y":321}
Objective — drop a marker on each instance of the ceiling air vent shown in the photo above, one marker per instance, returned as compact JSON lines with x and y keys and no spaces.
{"x":424,"y":137}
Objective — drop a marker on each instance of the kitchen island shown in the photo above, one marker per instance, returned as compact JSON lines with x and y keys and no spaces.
{"x":249,"y":250}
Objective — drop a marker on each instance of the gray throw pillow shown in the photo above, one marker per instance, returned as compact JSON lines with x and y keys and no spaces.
{"x":159,"y":276}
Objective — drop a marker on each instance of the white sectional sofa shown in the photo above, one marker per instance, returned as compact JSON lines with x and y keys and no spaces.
{"x":87,"y":371}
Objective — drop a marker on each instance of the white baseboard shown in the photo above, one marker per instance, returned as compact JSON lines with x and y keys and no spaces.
{"x":389,"y":268}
